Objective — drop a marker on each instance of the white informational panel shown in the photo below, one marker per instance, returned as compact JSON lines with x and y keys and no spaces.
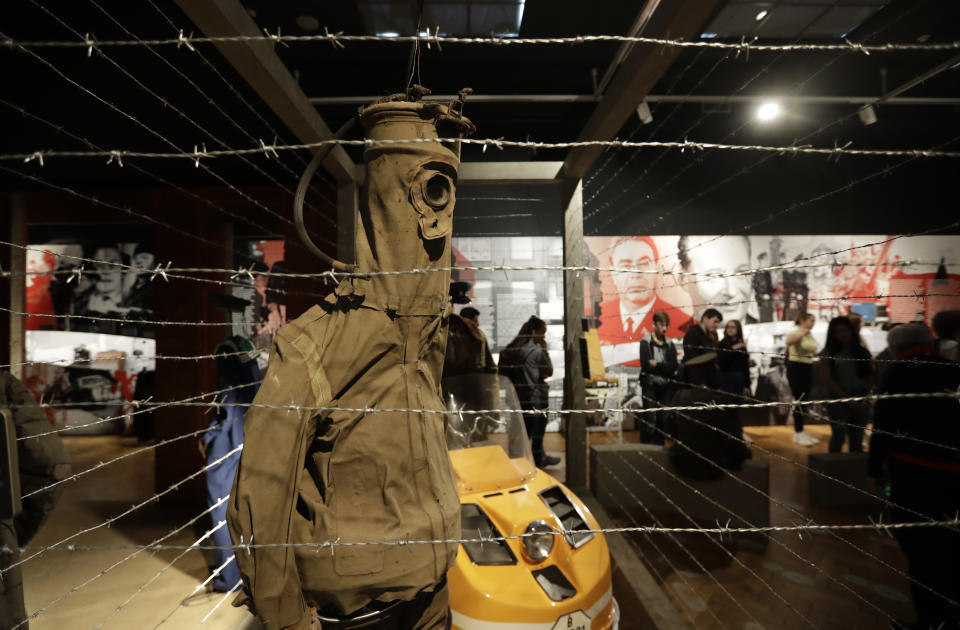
{"x":86,"y":377}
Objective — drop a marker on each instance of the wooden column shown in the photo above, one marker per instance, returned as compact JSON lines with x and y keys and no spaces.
{"x":18,"y":285}
{"x":183,"y":300}
{"x":574,"y":386}
{"x":6,"y":260}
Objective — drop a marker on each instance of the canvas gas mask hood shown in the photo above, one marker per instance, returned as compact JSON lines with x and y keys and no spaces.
{"x":431,"y":175}
{"x":348,"y":442}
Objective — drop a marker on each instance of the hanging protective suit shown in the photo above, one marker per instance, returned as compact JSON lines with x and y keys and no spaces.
{"x":317,"y":476}
{"x":225,"y":433}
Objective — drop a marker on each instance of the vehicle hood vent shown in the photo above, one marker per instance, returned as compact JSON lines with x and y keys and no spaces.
{"x":569,"y":515}
{"x":474,"y":524}
{"x":554,"y":583}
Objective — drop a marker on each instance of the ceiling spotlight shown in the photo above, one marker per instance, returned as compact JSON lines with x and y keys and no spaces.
{"x":762,"y":15}
{"x":768,"y":111}
{"x":867,"y":114}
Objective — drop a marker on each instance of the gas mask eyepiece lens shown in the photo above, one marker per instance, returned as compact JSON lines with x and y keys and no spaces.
{"x":437,"y":191}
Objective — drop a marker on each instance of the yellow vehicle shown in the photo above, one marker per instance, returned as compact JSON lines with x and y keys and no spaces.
{"x":537,"y":578}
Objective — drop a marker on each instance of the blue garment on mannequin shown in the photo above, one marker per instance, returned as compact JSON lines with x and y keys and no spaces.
{"x":224,"y":435}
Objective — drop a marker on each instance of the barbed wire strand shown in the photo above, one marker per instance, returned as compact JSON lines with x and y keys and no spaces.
{"x":692,"y":556}
{"x":739,"y":438}
{"x":229,"y":85}
{"x":671,"y":566}
{"x":118,"y":157}
{"x":885,"y":171}
{"x":330,"y":275}
{"x":225,"y":597}
{"x":220,"y":110}
{"x":720,"y":545}
{"x":595,"y":172}
{"x":789,"y":508}
{"x":167,"y":567}
{"x":643,"y":529}
{"x":147,"y":406}
{"x":635,"y":181}
{"x":107,"y":204}
{"x":368,"y":410}
{"x":164,"y":272}
{"x":138,"y":451}
{"x":917,"y":295}
{"x":243,"y":129}
{"x":213,"y":574}
{"x":215,"y":607}
{"x":707,"y":114}
{"x":132,"y":357}
{"x":773,"y":539}
{"x":241,"y":278}
{"x":126,"y":320}
{"x":182,"y":115}
{"x":130,"y":556}
{"x":165,"y":182}
{"x":90,"y":43}
{"x":154,"y":322}
{"x":197,"y":588}
{"x":910,"y":361}
{"x":683,"y":145}
{"x":172,"y":272}
{"x":814,"y":414}
{"x":167,"y":271}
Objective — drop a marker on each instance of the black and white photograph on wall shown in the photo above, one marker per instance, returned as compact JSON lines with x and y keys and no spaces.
{"x":116,"y":286}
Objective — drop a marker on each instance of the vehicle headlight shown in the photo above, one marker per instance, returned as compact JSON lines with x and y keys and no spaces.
{"x":538,"y":541}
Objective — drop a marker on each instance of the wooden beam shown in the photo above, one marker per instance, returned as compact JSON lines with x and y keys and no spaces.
{"x":258,"y":63}
{"x":507,"y":172}
{"x":574,"y":385}
{"x":638,"y":74}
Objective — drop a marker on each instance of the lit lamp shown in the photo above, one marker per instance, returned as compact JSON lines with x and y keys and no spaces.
{"x":769,"y":111}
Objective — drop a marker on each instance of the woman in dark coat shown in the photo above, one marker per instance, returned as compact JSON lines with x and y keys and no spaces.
{"x":733,"y":360}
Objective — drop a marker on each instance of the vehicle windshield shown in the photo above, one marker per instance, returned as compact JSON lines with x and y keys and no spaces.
{"x":489,"y":425}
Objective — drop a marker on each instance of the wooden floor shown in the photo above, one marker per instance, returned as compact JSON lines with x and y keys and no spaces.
{"x":748,"y":583}
{"x":847,"y":581}
{"x":120,"y":587}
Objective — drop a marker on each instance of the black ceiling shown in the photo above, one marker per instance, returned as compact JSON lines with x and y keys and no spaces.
{"x":218,"y":109}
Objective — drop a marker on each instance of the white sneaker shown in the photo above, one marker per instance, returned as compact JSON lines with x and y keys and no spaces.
{"x":805,"y":439}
